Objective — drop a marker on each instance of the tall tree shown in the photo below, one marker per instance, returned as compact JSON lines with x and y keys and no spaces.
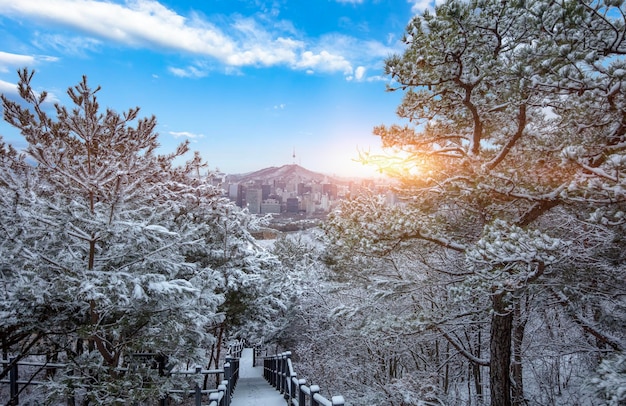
{"x":513,"y":162}
{"x":108,"y":248}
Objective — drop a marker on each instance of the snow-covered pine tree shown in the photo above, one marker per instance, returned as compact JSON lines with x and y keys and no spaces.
{"x":514,"y":163}
{"x":108,"y":248}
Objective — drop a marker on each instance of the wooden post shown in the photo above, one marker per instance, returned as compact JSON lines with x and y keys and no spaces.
{"x":228,"y":373}
{"x":301,"y":394}
{"x":292,"y":385}
{"x":282,"y":376}
{"x":235,"y":364}
{"x":13,"y":387}
{"x":338,"y":401}
{"x":274,"y":371}
{"x":279,"y":372}
{"x":314,"y":389}
{"x":266,"y":370}
{"x":198,"y":395}
{"x":223,"y":389}
{"x":198,"y":389}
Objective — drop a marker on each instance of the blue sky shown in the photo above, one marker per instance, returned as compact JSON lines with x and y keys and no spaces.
{"x":246,"y":81}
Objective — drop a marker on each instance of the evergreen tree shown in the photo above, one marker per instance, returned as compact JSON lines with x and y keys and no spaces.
{"x":109,"y":249}
{"x":512,"y":170}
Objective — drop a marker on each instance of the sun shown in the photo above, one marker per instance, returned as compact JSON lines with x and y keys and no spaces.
{"x":353,"y":167}
{"x":395,"y":163}
{"x":341,"y":156}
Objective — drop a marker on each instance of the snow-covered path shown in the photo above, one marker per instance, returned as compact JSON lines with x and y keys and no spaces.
{"x":252,"y":389}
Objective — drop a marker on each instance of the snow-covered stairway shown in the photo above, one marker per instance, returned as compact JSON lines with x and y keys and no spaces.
{"x":252,"y":389}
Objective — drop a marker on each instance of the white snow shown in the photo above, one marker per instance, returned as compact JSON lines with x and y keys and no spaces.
{"x":252,"y":389}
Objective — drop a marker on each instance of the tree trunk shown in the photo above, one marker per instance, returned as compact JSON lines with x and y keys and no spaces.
{"x":478,"y":379}
{"x":500,"y":351}
{"x":218,"y":354}
{"x":446,"y":380}
{"x":516,"y":366}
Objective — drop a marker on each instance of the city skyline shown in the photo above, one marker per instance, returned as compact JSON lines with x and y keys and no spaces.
{"x":248,"y":83}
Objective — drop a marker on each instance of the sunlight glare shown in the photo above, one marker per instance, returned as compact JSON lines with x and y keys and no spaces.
{"x":395,"y":163}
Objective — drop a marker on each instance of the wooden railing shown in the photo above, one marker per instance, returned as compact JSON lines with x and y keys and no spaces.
{"x":17,"y":385}
{"x":217,"y":397}
{"x":278,"y":371}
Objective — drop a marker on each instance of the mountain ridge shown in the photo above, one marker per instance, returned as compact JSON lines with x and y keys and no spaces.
{"x":287,"y":172}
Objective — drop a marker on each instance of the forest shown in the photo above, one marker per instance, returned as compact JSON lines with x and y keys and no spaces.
{"x":498,"y":279}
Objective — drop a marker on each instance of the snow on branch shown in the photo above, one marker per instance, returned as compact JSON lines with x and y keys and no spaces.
{"x":457,"y":346}
{"x":585,"y":324}
{"x":508,"y":258}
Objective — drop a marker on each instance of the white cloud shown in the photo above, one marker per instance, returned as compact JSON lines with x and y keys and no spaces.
{"x":280,"y":106}
{"x":139,"y":22}
{"x":235,"y":43}
{"x":188,"y":72}
{"x":419,"y":6}
{"x":359,"y":73}
{"x":323,"y":61}
{"x":149,"y":23}
{"x":258,"y":46}
{"x":378,"y":78}
{"x":369,"y":54}
{"x":232,"y":71}
{"x":10,"y":61}
{"x":350,"y":1}
{"x":67,"y":45}
{"x":377,"y":50}
{"x":355,"y":49}
{"x":7,"y":88}
{"x":185,"y":134}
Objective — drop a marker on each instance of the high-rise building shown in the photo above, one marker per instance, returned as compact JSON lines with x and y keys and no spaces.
{"x":253,"y":200}
{"x":233,"y":188}
{"x":293,"y":205}
{"x":241,"y":195}
{"x":270,"y":206}
{"x":265,"y":191}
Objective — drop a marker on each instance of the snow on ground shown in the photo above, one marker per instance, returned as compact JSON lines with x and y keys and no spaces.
{"x":252,"y":389}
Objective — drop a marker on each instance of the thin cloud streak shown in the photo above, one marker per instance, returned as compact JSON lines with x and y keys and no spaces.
{"x":67,"y":45}
{"x":9,"y":60}
{"x":188,"y":72}
{"x":185,"y":134}
{"x":8,"y":89}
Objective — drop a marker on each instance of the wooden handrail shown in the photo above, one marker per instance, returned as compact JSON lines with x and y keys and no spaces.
{"x":279,"y":372}
{"x":217,"y":397}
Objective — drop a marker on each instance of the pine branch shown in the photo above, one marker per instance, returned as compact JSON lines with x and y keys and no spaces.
{"x":585,"y":324}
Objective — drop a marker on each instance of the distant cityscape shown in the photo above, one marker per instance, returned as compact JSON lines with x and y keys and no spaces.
{"x":292,"y":189}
